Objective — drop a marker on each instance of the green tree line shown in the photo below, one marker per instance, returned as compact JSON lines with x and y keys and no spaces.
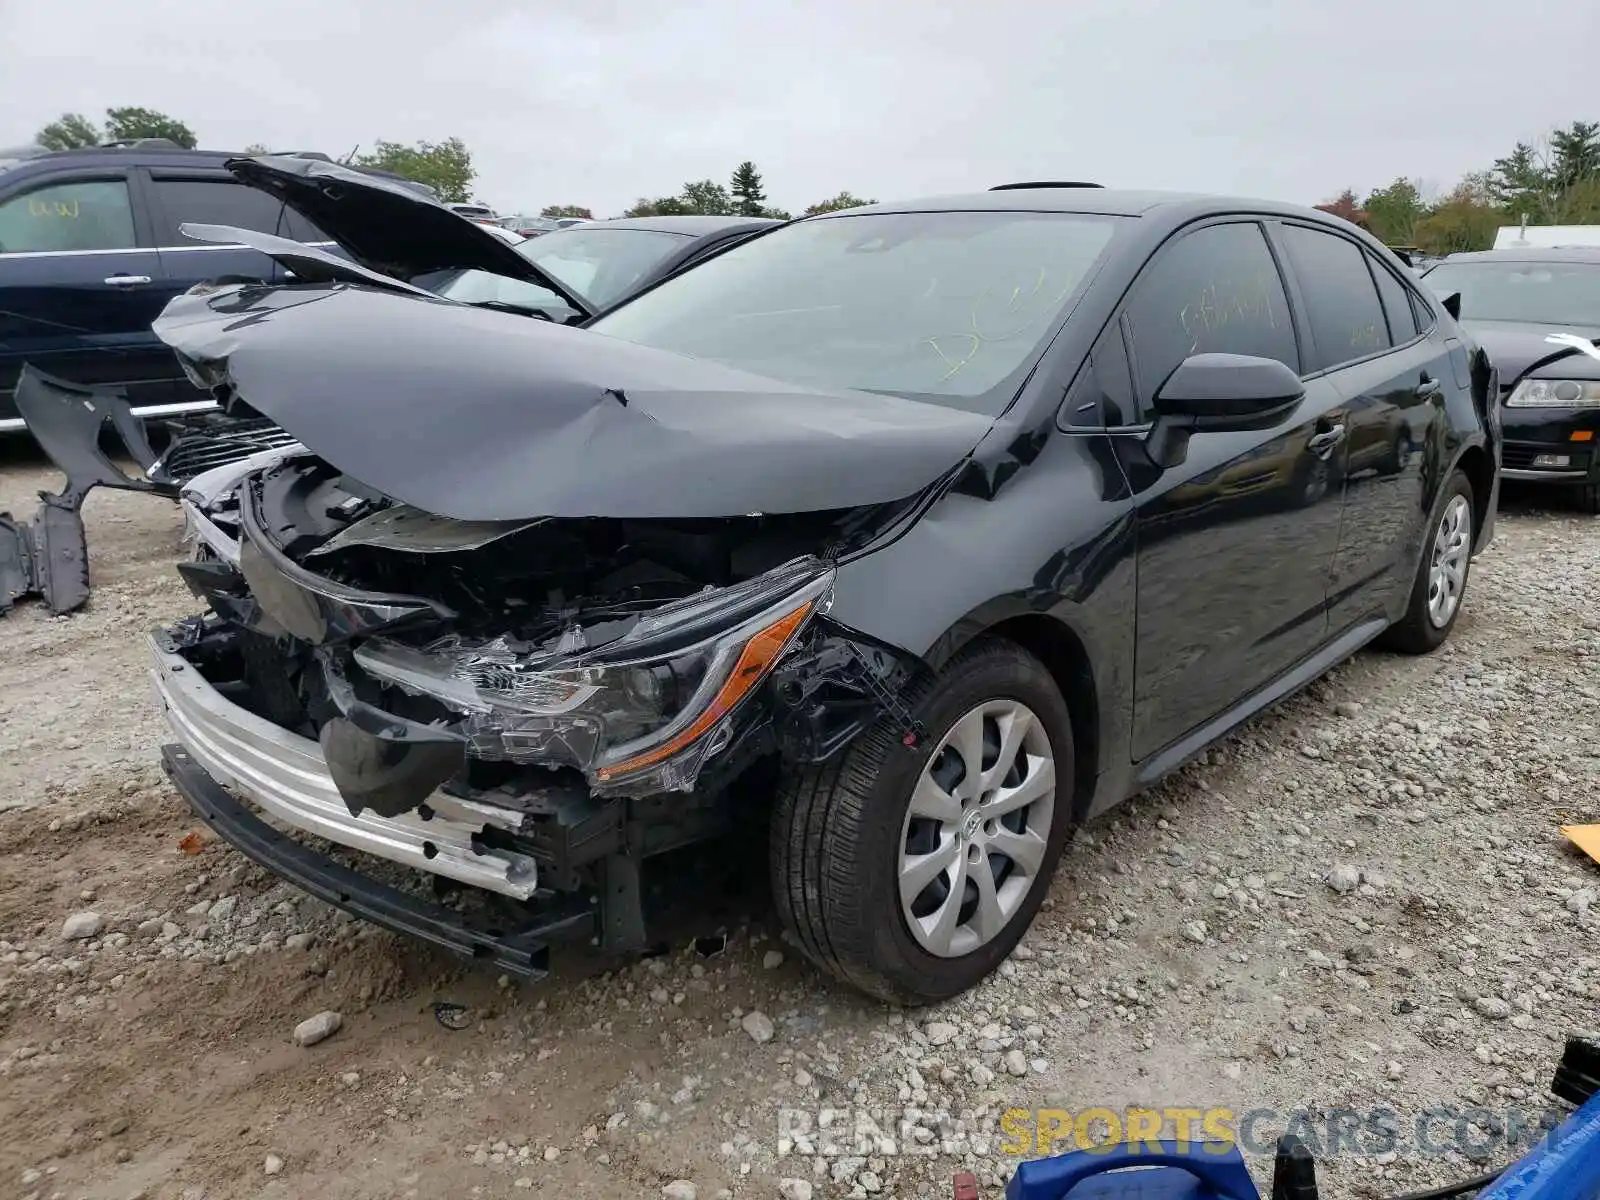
{"x":743,"y":195}
{"x":447,"y":167}
{"x":1552,"y":181}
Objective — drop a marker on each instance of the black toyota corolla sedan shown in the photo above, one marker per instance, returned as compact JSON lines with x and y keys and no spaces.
{"x":924,"y":531}
{"x":1537,"y":315}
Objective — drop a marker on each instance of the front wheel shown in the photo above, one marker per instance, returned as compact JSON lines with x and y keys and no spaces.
{"x":1441,"y":582}
{"x":911,"y":873}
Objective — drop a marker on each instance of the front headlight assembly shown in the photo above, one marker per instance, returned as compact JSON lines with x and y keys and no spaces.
{"x":1555,"y":393}
{"x":639,"y":714}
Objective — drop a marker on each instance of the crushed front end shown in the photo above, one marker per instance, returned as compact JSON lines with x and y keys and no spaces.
{"x":525,"y":710}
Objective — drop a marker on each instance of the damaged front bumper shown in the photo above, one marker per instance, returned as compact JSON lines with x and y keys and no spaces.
{"x":287,"y":776}
{"x":530,"y":709}
{"x":519,"y":948}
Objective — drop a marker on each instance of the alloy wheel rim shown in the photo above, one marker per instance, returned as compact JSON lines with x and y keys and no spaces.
{"x":1447,"y":574}
{"x":976,"y":828}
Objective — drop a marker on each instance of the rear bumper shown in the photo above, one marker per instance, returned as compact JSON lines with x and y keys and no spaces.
{"x":521,"y":951}
{"x":285,"y":775}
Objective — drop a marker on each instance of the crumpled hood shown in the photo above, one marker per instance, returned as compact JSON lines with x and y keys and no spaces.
{"x":481,"y":416}
{"x":1513,"y":348}
{"x":385,"y":225}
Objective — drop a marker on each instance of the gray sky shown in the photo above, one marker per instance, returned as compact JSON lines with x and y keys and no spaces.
{"x":596,"y":102}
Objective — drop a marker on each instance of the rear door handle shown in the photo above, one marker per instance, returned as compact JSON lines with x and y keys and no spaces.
{"x":1428,"y":388}
{"x":1322,"y":444}
{"x":126,"y":280}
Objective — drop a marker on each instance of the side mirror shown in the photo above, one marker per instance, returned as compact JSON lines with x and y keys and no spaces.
{"x":1219,"y":393}
{"x":1452,"y":305}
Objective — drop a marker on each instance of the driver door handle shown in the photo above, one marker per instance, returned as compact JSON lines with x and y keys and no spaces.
{"x":1428,"y":388}
{"x":1322,"y":444}
{"x":126,"y":280}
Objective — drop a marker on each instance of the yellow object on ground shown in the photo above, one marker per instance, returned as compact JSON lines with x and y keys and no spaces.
{"x":1585,"y":838}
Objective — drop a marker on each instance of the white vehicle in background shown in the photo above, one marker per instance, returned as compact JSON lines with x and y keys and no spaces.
{"x":481,"y":213}
{"x":1545,"y":237}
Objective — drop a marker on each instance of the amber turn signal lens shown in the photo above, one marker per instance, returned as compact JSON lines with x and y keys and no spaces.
{"x":757,"y":657}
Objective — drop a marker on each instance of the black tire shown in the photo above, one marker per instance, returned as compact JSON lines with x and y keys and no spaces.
{"x":837,"y":835}
{"x":1415,"y":632}
{"x":1588,"y":498}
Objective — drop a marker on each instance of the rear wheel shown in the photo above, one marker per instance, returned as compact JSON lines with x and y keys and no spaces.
{"x":1441,"y":581}
{"x":912,"y":872}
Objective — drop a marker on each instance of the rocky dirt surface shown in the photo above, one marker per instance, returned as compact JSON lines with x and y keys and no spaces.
{"x":1362,"y":903}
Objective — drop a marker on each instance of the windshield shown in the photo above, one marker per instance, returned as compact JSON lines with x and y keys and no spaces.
{"x":602,"y":265}
{"x":944,"y":305}
{"x":1539,"y":293}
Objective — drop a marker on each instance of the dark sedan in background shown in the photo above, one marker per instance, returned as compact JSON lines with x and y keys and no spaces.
{"x":605,"y":262}
{"x":1537,"y":314}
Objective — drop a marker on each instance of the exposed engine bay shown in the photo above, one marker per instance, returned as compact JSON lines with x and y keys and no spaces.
{"x":609,"y":657}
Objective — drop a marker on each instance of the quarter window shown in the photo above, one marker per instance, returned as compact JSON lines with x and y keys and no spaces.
{"x":1396,"y":299}
{"x":1423,"y":314}
{"x":1216,"y":290}
{"x":85,"y":215}
{"x":1342,"y":305}
{"x":1102,"y":395}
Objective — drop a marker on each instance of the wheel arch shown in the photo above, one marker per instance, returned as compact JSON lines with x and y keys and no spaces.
{"x":1475,"y":462}
{"x":1065,"y":654}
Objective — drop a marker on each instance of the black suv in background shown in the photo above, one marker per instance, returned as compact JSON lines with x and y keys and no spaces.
{"x":90,"y":254}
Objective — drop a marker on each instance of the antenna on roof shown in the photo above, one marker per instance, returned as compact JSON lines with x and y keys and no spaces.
{"x":1049,"y":183}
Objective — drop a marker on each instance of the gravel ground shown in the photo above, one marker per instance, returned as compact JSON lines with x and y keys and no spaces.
{"x":1362,"y":902}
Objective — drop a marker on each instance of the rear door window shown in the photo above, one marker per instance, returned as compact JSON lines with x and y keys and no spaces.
{"x":1216,"y":290}
{"x":83,"y":214}
{"x":218,"y":200}
{"x":1341,"y":300}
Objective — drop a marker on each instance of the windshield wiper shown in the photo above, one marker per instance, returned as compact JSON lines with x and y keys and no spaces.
{"x":505,"y":306}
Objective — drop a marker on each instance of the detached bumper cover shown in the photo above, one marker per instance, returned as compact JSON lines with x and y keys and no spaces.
{"x":286,"y":775}
{"x":523,"y":951}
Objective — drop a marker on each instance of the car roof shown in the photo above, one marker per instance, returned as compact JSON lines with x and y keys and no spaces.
{"x":1567,"y":254}
{"x":1091,"y":200}
{"x":155,"y":156}
{"x":693,"y":226}
{"x":145,"y":155}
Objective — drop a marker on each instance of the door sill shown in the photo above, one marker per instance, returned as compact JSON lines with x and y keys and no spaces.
{"x":1173,"y":756}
